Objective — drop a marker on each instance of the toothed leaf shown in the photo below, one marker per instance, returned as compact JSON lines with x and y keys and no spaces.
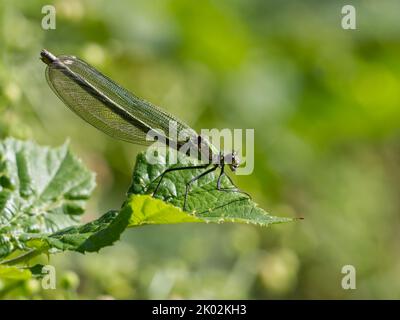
{"x":205,"y":203}
{"x":42,"y":190}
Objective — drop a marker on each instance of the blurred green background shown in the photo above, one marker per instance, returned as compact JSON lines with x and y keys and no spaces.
{"x":325,"y":106}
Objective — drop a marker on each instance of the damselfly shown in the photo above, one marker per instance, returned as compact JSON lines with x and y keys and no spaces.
{"x":112,"y":109}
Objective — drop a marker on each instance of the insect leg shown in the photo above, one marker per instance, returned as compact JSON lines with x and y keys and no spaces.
{"x":220,"y":177}
{"x":235,"y":189}
{"x":162,"y":175}
{"x":193,"y":180}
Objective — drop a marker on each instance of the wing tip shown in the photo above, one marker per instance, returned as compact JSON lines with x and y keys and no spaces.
{"x":47,"y":57}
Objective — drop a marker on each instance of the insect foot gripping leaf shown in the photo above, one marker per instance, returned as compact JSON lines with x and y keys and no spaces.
{"x":205,"y":203}
{"x":42,"y":190}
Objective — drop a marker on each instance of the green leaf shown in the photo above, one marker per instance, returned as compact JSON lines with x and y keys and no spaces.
{"x":42,"y":190}
{"x":148,"y":210}
{"x":14,"y":273}
{"x":205,"y":203}
{"x":39,"y":186}
{"x":90,"y":237}
{"x":36,"y":270}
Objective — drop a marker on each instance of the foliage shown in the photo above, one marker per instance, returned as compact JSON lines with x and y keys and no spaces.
{"x":324,"y":104}
{"x":44,"y":191}
{"x":205,"y":203}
